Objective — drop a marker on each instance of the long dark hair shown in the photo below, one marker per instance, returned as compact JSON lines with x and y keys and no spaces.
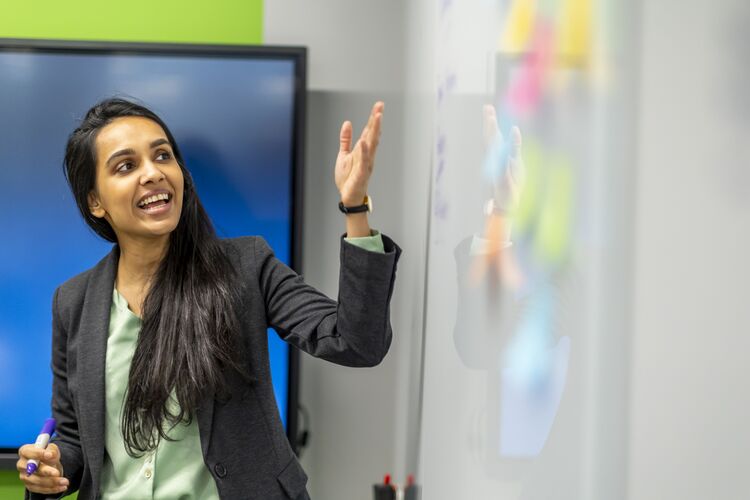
{"x":190,"y":332}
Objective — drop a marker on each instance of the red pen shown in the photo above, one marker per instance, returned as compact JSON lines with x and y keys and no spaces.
{"x":385,"y":491}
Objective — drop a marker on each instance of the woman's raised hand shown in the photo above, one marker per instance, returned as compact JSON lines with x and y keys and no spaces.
{"x":354,"y":166}
{"x":48,"y":478}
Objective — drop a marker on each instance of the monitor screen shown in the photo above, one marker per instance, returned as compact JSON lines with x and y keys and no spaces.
{"x":235,"y":116}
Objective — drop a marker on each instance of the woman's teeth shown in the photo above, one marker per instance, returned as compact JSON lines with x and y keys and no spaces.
{"x":152,"y":199}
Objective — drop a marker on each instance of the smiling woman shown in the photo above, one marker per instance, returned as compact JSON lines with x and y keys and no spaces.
{"x":122,"y":138}
{"x":160,"y":352}
{"x":139,"y":184}
{"x":120,"y":156}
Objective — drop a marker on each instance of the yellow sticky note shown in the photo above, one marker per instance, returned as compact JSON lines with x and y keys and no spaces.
{"x":519,"y":26}
{"x":574,"y":31}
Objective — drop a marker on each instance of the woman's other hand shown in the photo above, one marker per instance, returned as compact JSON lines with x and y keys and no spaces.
{"x":48,"y":478}
{"x":354,"y":166}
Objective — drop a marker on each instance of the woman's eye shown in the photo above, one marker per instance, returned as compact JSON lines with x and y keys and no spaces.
{"x":125,"y":166}
{"x":164,"y":156}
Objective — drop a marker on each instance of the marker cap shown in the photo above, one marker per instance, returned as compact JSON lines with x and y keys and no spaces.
{"x":49,"y":426}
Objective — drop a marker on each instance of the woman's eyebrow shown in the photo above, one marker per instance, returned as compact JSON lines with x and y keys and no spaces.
{"x":159,"y":142}
{"x":122,"y":152}
{"x":125,"y":152}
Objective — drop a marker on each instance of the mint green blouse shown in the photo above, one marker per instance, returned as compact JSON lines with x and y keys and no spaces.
{"x":176,"y":468}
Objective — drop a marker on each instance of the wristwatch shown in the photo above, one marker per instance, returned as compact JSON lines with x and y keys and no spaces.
{"x":365,"y":207}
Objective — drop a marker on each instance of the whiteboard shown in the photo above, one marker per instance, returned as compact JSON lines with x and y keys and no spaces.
{"x":525,"y":348}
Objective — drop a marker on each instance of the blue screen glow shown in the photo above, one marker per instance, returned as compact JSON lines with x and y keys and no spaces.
{"x":233,"y":119}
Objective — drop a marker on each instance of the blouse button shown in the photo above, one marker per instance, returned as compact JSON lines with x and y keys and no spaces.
{"x":148,"y":473}
{"x":220,"y":470}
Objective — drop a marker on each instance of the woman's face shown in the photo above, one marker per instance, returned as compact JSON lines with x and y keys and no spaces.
{"x":135,"y":170}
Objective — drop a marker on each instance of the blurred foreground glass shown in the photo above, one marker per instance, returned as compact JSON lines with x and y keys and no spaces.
{"x":525,"y":333}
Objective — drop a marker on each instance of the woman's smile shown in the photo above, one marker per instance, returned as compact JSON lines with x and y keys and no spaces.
{"x":156,"y":202}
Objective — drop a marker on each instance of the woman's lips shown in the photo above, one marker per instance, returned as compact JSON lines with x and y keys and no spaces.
{"x":157,"y":209}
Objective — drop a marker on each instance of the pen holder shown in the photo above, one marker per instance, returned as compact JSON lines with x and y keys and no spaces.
{"x":384,"y":491}
{"x":411,"y":490}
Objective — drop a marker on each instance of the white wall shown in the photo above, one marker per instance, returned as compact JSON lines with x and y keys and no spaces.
{"x":690,"y":405}
{"x":487,"y":433}
{"x":354,"y":46}
{"x":687,"y":405}
{"x":362,"y":420}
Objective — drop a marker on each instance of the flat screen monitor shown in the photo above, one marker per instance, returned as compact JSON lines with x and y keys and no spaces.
{"x":237,"y":115}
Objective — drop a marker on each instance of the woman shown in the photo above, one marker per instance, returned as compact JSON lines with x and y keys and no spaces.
{"x":161,"y":382}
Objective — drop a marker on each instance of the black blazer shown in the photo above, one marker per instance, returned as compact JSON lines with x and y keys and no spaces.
{"x":243,"y":440}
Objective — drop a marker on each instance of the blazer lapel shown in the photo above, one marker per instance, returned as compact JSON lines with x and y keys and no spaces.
{"x":205,"y":415}
{"x":93,"y":333}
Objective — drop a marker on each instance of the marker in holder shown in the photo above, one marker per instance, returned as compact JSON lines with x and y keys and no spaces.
{"x":411,"y":490}
{"x":384,"y":491}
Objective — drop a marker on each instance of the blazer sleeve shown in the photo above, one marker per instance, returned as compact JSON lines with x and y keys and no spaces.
{"x":63,"y":411}
{"x":355,"y":330}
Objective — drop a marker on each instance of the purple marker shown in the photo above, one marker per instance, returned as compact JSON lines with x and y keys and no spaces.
{"x":41,"y":442}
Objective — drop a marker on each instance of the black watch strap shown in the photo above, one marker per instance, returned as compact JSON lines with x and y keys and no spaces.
{"x":364,"y":207}
{"x":352,"y":210}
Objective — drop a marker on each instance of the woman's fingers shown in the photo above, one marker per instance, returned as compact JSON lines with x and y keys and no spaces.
{"x":365,"y":132}
{"x":368,"y":132}
{"x":366,"y":154}
{"x":345,"y":137}
{"x":361,"y":155}
{"x":375,"y":135}
{"x":45,"y":485}
{"x":370,"y":118}
{"x":42,"y":481}
{"x":377,"y":118}
{"x":29,"y":452}
{"x":52,"y":454}
{"x":45,"y":470}
{"x":47,"y":478}
{"x":378,"y":107}
{"x":371,"y":133}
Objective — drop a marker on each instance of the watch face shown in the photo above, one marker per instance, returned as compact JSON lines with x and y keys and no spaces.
{"x":368,"y":202}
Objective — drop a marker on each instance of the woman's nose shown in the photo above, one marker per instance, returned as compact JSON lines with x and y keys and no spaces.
{"x":151,"y":172}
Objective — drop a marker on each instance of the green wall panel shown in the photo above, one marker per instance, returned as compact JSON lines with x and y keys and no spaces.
{"x":218,"y":21}
{"x":184,"y":21}
{"x":11,"y":487}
